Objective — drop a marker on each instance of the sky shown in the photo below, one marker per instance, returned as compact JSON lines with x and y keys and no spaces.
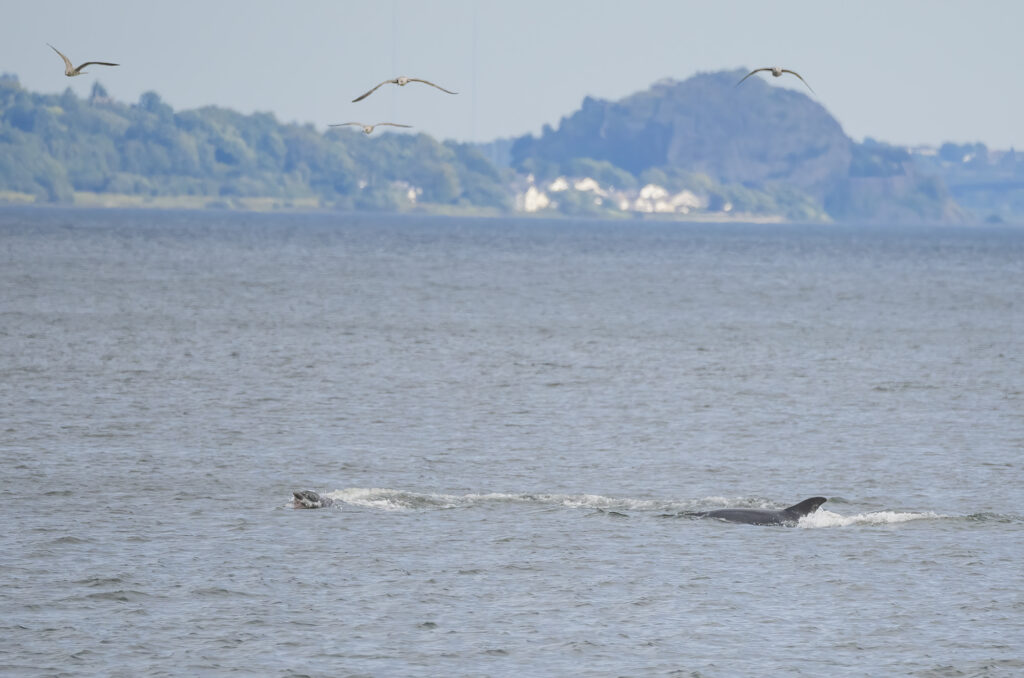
{"x":906,"y":72}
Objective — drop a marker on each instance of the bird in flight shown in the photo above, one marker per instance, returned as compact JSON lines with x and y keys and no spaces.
{"x":368,"y":128}
{"x":401,"y":81}
{"x":776,"y":71}
{"x":71,"y":71}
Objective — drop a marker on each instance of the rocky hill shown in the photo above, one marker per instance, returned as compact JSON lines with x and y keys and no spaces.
{"x":758,"y":136}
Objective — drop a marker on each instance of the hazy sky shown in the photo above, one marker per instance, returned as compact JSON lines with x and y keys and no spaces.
{"x":903,"y":71}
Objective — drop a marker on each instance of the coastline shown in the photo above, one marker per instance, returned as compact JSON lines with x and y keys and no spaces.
{"x":313,"y":205}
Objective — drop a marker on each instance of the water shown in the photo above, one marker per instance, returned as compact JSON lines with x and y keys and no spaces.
{"x":512,"y":417}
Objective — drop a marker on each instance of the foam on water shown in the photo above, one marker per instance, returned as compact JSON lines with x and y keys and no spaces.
{"x":823,"y":518}
{"x":403,"y":500}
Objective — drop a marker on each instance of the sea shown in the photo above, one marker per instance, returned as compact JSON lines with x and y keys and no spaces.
{"x":515,"y":419}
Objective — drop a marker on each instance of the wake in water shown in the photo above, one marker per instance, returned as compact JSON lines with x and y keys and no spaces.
{"x":401,"y":500}
{"x":384,"y":499}
{"x":825,"y":518}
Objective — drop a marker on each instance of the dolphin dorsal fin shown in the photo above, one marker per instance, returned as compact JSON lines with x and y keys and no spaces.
{"x":806,"y":506}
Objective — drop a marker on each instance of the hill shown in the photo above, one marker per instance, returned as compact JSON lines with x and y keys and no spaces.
{"x":707,"y":135}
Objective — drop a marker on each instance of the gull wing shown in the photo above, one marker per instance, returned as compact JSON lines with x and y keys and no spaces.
{"x":427,"y":82}
{"x":360,"y":98}
{"x":67,"y":62}
{"x":97,"y":63}
{"x":342,"y":124}
{"x":786,"y":70}
{"x":756,"y":70}
{"x":390,"y":124}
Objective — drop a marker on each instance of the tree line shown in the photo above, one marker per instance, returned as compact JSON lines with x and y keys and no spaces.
{"x":53,"y":145}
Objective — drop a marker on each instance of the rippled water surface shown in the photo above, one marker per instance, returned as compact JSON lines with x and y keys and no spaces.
{"x":513,"y":418}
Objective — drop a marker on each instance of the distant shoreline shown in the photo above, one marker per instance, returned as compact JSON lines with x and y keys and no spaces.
{"x":312,"y":205}
{"x":267,"y":205}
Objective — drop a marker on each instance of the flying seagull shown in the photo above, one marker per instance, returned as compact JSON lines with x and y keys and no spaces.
{"x":368,"y":128}
{"x":776,"y":71}
{"x":71,"y":71}
{"x":401,"y":81}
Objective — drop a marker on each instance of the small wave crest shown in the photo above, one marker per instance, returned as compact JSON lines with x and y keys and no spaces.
{"x":394,"y":500}
{"x":824,"y":518}
{"x":401,"y":500}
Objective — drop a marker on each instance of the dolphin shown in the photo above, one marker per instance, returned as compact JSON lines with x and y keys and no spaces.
{"x":788,"y":516}
{"x":308,"y":499}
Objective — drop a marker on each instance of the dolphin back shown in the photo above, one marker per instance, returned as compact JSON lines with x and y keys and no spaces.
{"x":806,"y":506}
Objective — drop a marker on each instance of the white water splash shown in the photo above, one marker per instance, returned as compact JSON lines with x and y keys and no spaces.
{"x":393,"y":500}
{"x":823,"y":518}
{"x":401,"y":500}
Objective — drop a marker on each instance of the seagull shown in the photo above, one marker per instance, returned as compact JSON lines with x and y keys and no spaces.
{"x":368,"y":128}
{"x":776,"y":71}
{"x":401,"y":81}
{"x":71,"y":71}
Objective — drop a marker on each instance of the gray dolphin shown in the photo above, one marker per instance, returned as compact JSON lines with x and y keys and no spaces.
{"x":308,"y":499}
{"x":788,"y":516}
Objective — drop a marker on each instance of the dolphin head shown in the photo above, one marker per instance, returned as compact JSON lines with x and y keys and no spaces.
{"x":308,"y":499}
